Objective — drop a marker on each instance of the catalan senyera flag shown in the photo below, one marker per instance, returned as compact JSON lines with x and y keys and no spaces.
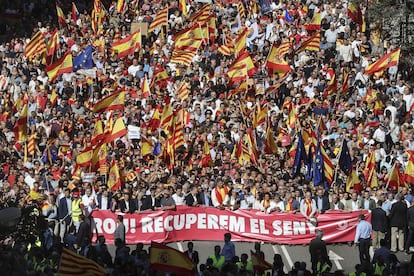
{"x":370,"y":171}
{"x":395,"y":178}
{"x":166,"y":259}
{"x":260,"y":115}
{"x":240,"y":42}
{"x":114,"y":101}
{"x":202,"y":15}
{"x":328,"y":167}
{"x":31,"y":147}
{"x":311,"y":44}
{"x":84,"y":158}
{"x":118,"y":129}
{"x":161,"y":19}
{"x":183,"y":57}
{"x":270,"y":146}
{"x":409,"y":170}
{"x":127,"y":45}
{"x":241,"y":10}
{"x":387,"y":61}
{"x":182,"y":5}
{"x":259,"y":264}
{"x":167,"y":118}
{"x":183,"y":91}
{"x":345,"y":83}
{"x":226,"y":49}
{"x":72,"y":264}
{"x":60,"y":14}
{"x":315,"y":23}
{"x":97,"y":16}
{"x":332,"y":87}
{"x":20,"y":127}
{"x":63,"y":65}
{"x":241,"y":68}
{"x":36,"y":46}
{"x":178,"y":133}
{"x":276,"y":63}
{"x":114,"y":178}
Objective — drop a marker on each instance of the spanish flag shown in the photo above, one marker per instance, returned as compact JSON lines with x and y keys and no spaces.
{"x":53,"y":97}
{"x":99,"y":157}
{"x":167,"y":118}
{"x":387,"y":61}
{"x":353,"y":181}
{"x":155,"y":120}
{"x":188,"y":44}
{"x":60,"y":15}
{"x":315,"y":23}
{"x":53,"y":44}
{"x":355,"y":13}
{"x":206,"y":160}
{"x":183,"y":7}
{"x":119,"y":129}
{"x":270,"y":146}
{"x":146,"y":146}
{"x":63,"y":65}
{"x":114,"y":178}
{"x":276,"y":62}
{"x":259,"y":264}
{"x":166,"y":259}
{"x":240,"y":41}
{"x":370,"y":172}
{"x":20,"y":127}
{"x":409,"y":170}
{"x":127,"y":45}
{"x":114,"y":101}
{"x":84,"y":158}
{"x":395,"y":178}
{"x":241,"y":68}
{"x":75,"y":264}
{"x":161,"y":19}
{"x":145,"y":89}
{"x":97,"y":133}
{"x":36,"y":46}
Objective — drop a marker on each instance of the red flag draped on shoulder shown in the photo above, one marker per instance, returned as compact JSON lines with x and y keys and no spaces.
{"x":114,"y":101}
{"x":387,"y":61}
{"x":166,"y":259}
{"x":63,"y":65}
{"x":241,"y":68}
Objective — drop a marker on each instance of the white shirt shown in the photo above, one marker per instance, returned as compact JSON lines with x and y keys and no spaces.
{"x":104,"y":203}
{"x":178,"y":199}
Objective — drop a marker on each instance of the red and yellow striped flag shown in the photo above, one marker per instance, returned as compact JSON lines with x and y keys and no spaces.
{"x":20,"y":127}
{"x":240,"y":42}
{"x":183,"y":7}
{"x":270,"y":146}
{"x":370,"y":171}
{"x":60,"y":14}
{"x":63,"y":65}
{"x":118,"y":129}
{"x":311,"y":44}
{"x":182,"y":57}
{"x":201,"y":15}
{"x":183,"y":91}
{"x":74,"y":264}
{"x":387,"y":61}
{"x":36,"y":46}
{"x":31,"y":146}
{"x":127,"y":45}
{"x":120,"y":6}
{"x":53,"y":44}
{"x":161,"y":19}
{"x":114,"y":101}
{"x":167,"y":259}
{"x":241,"y":10}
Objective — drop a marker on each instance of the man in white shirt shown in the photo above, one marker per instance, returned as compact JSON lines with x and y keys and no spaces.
{"x":89,"y":200}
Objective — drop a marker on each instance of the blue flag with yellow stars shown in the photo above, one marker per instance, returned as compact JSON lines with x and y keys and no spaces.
{"x":345,"y":162}
{"x":318,"y":173}
{"x":83,"y":60}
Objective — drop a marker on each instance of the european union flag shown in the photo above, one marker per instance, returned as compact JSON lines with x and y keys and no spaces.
{"x":49,"y":156}
{"x":345,"y":162}
{"x":157,"y":149}
{"x":299,"y":156}
{"x":83,"y":60}
{"x":318,"y":174}
{"x":288,"y":17}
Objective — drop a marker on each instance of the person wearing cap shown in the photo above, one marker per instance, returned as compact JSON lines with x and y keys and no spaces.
{"x":363,"y":239}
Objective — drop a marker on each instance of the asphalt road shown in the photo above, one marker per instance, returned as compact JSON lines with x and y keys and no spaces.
{"x":343,"y":256}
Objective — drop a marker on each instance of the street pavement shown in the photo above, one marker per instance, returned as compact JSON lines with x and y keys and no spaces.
{"x":343,"y":256}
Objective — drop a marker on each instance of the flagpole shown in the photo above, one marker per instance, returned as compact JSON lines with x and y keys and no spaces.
{"x":337,"y":162}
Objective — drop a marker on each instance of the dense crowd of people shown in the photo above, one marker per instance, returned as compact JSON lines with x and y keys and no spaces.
{"x":374,"y":114}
